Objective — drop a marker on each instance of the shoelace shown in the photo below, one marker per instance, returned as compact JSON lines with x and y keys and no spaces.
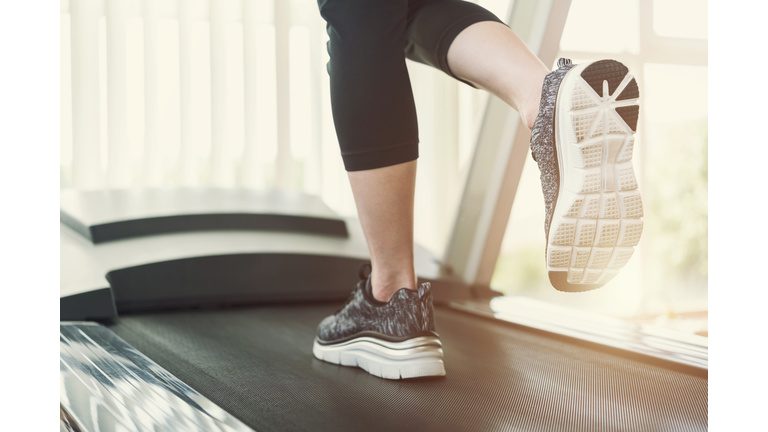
{"x":363,"y":272}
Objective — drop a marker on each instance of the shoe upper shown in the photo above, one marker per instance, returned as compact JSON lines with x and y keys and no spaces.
{"x":409,"y":313}
{"x":543,"y":139}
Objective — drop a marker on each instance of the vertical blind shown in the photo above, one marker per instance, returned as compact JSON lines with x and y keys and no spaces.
{"x":234,"y":93}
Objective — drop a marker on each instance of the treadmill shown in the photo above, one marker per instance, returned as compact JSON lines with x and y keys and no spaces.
{"x":195,"y":309}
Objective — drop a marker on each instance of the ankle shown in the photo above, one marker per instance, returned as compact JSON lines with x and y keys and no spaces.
{"x":529,"y":111}
{"x":384,"y":288}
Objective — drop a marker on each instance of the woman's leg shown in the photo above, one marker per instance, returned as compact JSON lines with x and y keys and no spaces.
{"x":581,"y":150}
{"x":472,"y":45}
{"x":494,"y":58}
{"x":375,"y":119}
{"x":384,"y":198}
{"x":375,"y":115}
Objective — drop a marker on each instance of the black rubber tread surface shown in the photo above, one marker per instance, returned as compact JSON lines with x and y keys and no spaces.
{"x":630,"y":91}
{"x":629,"y":114}
{"x":604,"y":70}
{"x":257,"y":364}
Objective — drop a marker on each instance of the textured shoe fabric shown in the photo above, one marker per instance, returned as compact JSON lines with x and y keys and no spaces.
{"x":394,"y":339}
{"x":582,"y":141}
{"x":543,"y":148}
{"x":407,"y":314}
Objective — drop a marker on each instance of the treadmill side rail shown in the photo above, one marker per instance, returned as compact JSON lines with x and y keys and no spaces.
{"x":96,"y":305}
{"x":108,"y":385}
{"x":664,"y":347}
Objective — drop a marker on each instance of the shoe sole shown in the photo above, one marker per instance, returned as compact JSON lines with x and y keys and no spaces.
{"x":597,"y":218}
{"x":413,"y":358}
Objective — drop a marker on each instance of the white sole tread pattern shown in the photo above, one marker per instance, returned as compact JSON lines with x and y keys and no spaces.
{"x":597,"y":218}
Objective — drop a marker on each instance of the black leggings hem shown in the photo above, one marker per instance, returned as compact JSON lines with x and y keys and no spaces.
{"x":381,"y":157}
{"x":371,"y":96}
{"x":452,"y":32}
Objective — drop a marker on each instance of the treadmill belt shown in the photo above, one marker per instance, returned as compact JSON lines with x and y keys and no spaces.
{"x":257,"y":364}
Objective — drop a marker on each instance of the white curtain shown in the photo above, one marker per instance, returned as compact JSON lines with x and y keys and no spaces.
{"x":235,"y":93}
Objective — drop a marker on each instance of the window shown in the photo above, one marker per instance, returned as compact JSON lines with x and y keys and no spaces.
{"x":665,"y":282}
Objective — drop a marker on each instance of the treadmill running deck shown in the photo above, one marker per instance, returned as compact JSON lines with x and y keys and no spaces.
{"x":257,"y":364}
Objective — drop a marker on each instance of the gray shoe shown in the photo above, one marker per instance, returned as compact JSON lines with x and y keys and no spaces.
{"x":582,"y":140}
{"x":394,"y":340}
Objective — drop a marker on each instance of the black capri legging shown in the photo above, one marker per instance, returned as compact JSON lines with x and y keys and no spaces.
{"x":371,"y":98}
